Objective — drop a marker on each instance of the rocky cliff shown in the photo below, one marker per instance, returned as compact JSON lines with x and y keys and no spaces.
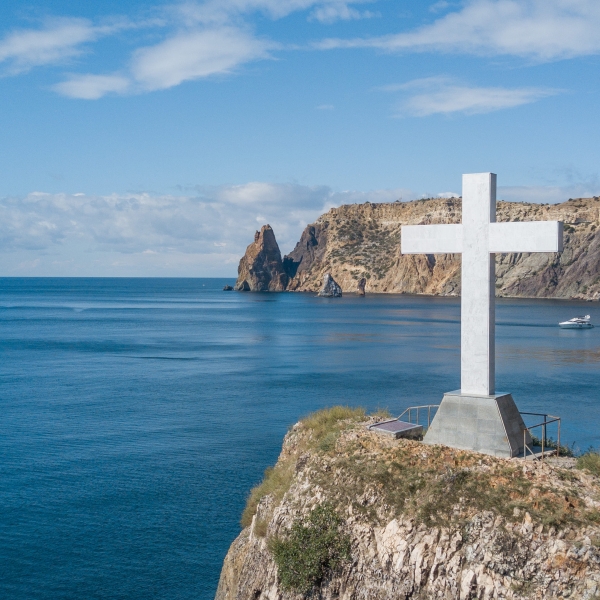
{"x":363,"y":240}
{"x":261,"y":268}
{"x":348,"y":514}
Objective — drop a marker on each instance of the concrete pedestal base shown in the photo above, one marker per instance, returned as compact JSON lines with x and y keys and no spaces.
{"x":487,"y":424}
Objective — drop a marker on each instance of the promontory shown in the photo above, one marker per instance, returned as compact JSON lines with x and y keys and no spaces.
{"x":348,"y":514}
{"x":359,"y":241}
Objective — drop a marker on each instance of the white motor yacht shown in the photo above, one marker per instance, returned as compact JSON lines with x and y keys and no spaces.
{"x":577,"y":323}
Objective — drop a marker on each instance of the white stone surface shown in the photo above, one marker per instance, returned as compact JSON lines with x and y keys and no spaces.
{"x":432,"y":239}
{"x":478,"y":238}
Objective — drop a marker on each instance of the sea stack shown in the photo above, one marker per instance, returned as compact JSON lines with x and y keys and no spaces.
{"x":360,"y":289}
{"x":330,"y":288}
{"x":261,"y":268}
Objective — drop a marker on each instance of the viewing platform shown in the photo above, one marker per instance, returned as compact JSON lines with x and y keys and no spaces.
{"x":536,"y":445}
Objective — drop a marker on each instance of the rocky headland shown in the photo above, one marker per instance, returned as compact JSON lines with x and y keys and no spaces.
{"x":359,"y":241}
{"x":349,"y":514}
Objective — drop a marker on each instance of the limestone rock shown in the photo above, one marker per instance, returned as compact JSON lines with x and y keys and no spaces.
{"x":227,"y":288}
{"x":261,"y":268}
{"x":309,"y":250}
{"x":419,"y":528}
{"x":360,"y":289}
{"x":330,"y":288}
{"x":363,"y":240}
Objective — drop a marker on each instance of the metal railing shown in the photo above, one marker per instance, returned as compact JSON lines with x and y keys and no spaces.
{"x":548,"y":419}
{"x":410,"y":410}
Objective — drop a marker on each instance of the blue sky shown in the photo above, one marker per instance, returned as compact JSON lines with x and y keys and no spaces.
{"x":148,"y":138}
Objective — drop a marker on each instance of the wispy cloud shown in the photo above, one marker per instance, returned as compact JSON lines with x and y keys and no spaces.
{"x":192,"y":55}
{"x":57,"y":41}
{"x":92,"y":87}
{"x":538,"y":29}
{"x":199,"y":39}
{"x":219,"y":11}
{"x":442,"y":95}
{"x":205,"y":231}
{"x":339,"y":11}
{"x":186,"y":56}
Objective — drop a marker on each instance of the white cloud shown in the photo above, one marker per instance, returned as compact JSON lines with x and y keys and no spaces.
{"x":339,"y":11}
{"x":221,"y":11}
{"x":538,"y":29}
{"x":186,"y":56}
{"x":325,"y":107}
{"x":201,"y":39}
{"x":441,"y":95}
{"x":200,"y":234}
{"x":58,"y":40}
{"x":203,"y":233}
{"x":192,"y":55}
{"x":92,"y":87}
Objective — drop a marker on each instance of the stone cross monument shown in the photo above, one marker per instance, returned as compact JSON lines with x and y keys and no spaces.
{"x":476,"y":417}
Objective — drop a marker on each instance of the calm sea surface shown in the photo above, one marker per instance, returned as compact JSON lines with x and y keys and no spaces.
{"x":136,"y":414}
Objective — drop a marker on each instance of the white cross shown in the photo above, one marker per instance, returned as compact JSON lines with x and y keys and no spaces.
{"x":478,"y":239}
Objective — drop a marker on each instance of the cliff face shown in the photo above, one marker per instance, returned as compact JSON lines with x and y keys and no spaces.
{"x":261,"y":268}
{"x":422,"y":522}
{"x":356,"y":241}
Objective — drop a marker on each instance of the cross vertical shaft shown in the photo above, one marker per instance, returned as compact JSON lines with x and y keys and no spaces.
{"x":477,"y":329}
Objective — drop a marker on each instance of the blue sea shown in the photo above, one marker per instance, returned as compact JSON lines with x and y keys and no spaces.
{"x":136,"y":414}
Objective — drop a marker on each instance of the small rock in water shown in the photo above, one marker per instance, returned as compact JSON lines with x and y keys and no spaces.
{"x":330,"y":288}
{"x":227,"y":288}
{"x":360,"y":290}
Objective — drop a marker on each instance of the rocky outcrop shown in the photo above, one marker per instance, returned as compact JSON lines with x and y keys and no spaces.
{"x":330,"y":288}
{"x":360,"y":288}
{"x":309,"y":251}
{"x":363,"y":241}
{"x":423,"y":522}
{"x":261,"y":268}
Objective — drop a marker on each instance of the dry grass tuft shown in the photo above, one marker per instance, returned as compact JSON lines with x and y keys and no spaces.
{"x":323,"y":428}
{"x":277,"y":482}
{"x":590,"y":461}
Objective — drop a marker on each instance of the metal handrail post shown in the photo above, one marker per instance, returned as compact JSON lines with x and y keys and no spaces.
{"x":543,"y":437}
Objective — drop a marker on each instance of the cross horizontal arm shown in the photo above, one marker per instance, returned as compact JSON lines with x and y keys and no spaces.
{"x":531,"y":236}
{"x":431,"y":239}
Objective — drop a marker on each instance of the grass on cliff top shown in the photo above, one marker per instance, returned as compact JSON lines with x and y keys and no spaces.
{"x":590,"y":461}
{"x":440,"y":486}
{"x":321,"y":429}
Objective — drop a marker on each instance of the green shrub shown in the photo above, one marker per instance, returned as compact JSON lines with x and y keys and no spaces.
{"x":590,"y":461}
{"x":314,"y":547}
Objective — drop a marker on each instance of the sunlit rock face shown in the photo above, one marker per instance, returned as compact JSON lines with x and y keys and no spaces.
{"x":261,"y":268}
{"x":363,"y":241}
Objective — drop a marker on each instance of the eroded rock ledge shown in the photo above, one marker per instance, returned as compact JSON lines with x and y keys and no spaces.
{"x":424,"y":521}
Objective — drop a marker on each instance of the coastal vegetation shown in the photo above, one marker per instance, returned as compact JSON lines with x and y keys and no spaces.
{"x":590,"y":461}
{"x":313,"y":547}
